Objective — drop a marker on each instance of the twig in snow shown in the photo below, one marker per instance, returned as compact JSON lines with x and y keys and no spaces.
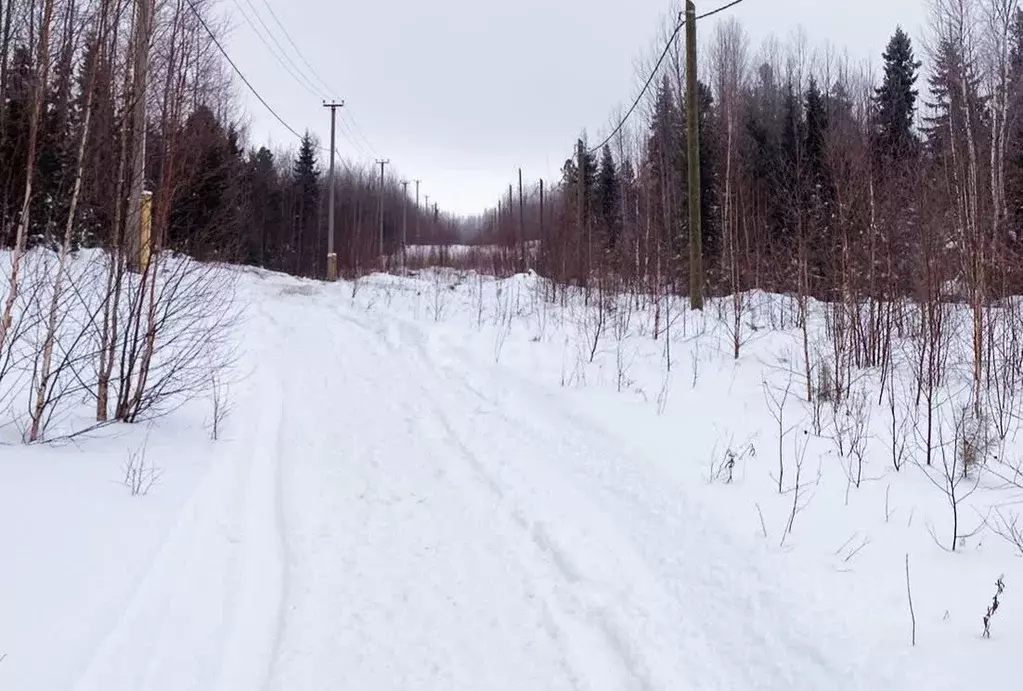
{"x":993,"y":607}
{"x":909,"y":595}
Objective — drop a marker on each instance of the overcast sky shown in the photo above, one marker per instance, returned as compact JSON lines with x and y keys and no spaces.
{"x":460,"y":93}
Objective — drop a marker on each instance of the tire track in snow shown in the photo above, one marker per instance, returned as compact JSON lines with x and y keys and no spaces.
{"x":587,"y":635}
{"x":474,"y":573}
{"x":214,"y":578}
{"x":703,"y":595}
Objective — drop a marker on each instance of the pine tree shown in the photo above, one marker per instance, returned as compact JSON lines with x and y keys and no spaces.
{"x":895,"y":101}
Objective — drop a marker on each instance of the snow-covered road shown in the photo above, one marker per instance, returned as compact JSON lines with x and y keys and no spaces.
{"x":403,"y":517}
{"x":398,"y":512}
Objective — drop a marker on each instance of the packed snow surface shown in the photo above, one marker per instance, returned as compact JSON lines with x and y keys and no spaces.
{"x":425,"y":483}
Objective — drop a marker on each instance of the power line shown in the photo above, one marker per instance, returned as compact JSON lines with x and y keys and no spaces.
{"x":359,"y":132}
{"x":297,"y":51}
{"x":657,"y":68}
{"x":247,"y":83}
{"x":238,"y":71}
{"x":276,"y":50}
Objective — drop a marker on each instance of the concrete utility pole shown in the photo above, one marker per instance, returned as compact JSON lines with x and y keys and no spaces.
{"x":543,"y":237}
{"x":693,"y":137}
{"x":417,"y":211}
{"x":382,"y":163}
{"x":133,"y":231}
{"x":522,"y":228}
{"x":429,"y":225}
{"x":404,"y":220}
{"x":331,"y":254}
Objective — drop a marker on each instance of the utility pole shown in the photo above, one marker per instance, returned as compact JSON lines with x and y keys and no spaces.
{"x":331,"y":254}
{"x":417,"y":211}
{"x":543,"y":237}
{"x":522,"y":228}
{"x":693,"y":136}
{"x":133,"y":231}
{"x":428,"y":211}
{"x":382,"y":163}
{"x":404,"y":220}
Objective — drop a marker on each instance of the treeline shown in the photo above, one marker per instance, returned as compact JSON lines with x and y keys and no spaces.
{"x":817,"y":176}
{"x":67,"y":81}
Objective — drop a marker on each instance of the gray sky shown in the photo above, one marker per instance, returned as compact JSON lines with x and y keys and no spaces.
{"x":461,"y":93}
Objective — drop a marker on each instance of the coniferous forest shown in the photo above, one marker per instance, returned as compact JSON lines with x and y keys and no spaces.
{"x":817,"y":174}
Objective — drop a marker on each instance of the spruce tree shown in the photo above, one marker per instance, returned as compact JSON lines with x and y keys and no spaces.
{"x":948,"y":119}
{"x":895,"y":101}
{"x":305,"y":179}
{"x":665,"y":162}
{"x":608,"y":192}
{"x":1014,"y":160}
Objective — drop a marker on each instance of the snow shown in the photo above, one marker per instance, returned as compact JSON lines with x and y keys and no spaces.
{"x":425,"y":484}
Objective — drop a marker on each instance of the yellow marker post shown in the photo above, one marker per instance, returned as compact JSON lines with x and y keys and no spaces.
{"x":147,"y":224}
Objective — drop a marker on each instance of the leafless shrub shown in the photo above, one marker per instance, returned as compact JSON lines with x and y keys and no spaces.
{"x":776,"y":401}
{"x":16,"y":353}
{"x":440,"y":295}
{"x":1003,"y":381}
{"x":177,"y":330}
{"x":799,"y":499}
{"x":959,"y":456}
{"x":139,"y":474}
{"x":722,"y":467}
{"x":220,"y":400}
{"x":898,"y":434}
{"x":595,"y":321}
{"x":1007,"y":526}
{"x":621,"y":328}
{"x":62,"y":343}
{"x":822,"y":394}
{"x":858,"y":405}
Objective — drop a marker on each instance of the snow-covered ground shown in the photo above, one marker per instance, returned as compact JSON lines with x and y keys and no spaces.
{"x":424,"y":483}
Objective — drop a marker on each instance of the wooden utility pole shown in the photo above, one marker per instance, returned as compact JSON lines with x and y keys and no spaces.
{"x":140,"y":70}
{"x":404,"y":220}
{"x":382,"y":163}
{"x":417,"y":211}
{"x":331,"y":254}
{"x":693,"y":141}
